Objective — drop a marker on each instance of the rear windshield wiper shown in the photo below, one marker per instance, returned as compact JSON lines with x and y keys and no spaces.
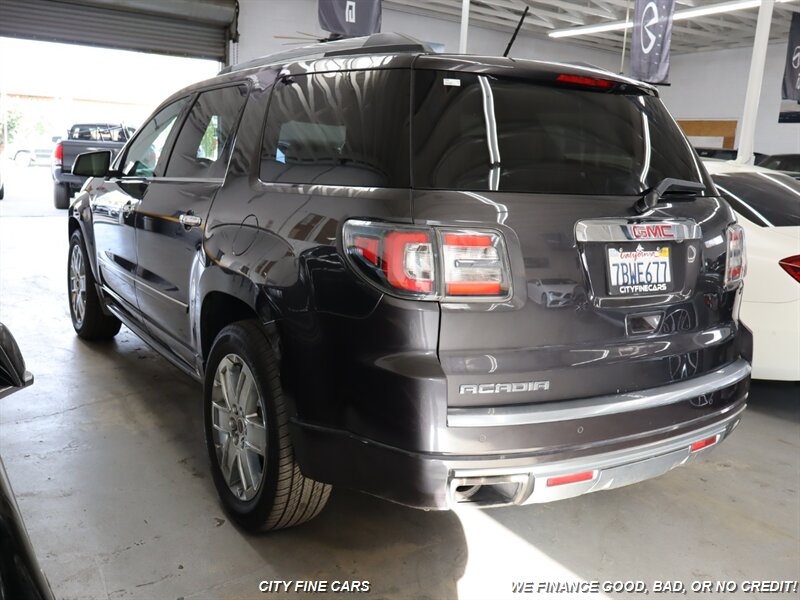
{"x":654,"y":195}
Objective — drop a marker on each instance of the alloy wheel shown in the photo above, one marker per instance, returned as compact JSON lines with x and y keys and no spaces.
{"x":77,"y":284}
{"x":238,"y":427}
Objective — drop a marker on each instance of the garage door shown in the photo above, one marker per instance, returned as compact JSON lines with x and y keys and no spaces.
{"x":196,"y":28}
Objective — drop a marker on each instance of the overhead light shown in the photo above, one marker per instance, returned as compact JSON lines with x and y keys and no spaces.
{"x":680,"y":15}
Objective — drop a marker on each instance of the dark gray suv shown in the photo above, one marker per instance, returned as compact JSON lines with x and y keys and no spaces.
{"x":439,"y":279}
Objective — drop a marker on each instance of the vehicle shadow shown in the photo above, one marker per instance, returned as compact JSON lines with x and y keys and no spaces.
{"x":780,"y":399}
{"x":402,"y":552}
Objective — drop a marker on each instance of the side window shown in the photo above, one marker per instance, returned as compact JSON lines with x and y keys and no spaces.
{"x":346,"y":128}
{"x":204,"y":143}
{"x":145,"y":150}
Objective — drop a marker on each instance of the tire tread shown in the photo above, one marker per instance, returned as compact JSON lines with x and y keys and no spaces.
{"x":296,"y":499}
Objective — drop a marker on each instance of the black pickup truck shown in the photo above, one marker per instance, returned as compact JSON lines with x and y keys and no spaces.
{"x":82,"y":137}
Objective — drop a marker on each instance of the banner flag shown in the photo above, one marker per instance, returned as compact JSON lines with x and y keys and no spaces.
{"x":652,"y":36}
{"x":350,"y":18}
{"x":791,"y":75}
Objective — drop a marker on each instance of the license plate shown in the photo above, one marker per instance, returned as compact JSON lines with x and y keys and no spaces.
{"x":639,"y":270}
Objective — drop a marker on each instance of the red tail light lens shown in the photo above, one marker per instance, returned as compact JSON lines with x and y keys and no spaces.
{"x":58,"y":153}
{"x":368,"y":248}
{"x":406,"y":260}
{"x":573,"y":478}
{"x":792,"y":266}
{"x":593,"y":82}
{"x":736,"y":259}
{"x":704,"y":443}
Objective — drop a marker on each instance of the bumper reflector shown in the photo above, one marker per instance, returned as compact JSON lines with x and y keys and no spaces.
{"x":574,"y":478}
{"x":704,"y":443}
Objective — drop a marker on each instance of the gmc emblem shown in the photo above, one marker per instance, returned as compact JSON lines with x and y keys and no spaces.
{"x":659,"y":232}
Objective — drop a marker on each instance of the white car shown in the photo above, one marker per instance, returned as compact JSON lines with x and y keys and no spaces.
{"x":552,"y":292}
{"x":768,"y":206}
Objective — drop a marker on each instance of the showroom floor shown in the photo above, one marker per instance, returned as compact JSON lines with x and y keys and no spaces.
{"x":106,"y":455}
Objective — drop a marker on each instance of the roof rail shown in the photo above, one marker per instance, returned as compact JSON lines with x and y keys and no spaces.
{"x":377,"y":43}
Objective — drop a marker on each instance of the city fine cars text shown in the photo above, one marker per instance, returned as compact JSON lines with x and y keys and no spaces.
{"x":656,"y":587}
{"x":319,"y":585}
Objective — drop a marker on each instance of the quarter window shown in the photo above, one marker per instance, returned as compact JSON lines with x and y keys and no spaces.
{"x":204,"y":143}
{"x":339,"y":128}
{"x":145,"y":150}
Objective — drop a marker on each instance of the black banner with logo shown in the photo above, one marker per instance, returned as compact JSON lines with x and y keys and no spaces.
{"x":791,"y":76}
{"x":652,"y":36}
{"x":350,"y":18}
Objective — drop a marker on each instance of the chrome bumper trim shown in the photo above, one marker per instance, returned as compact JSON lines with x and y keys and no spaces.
{"x":568,"y":410}
{"x":612,"y":469}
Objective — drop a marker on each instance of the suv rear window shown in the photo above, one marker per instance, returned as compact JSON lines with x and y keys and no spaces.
{"x":763,"y":198}
{"x":345,"y":128}
{"x":481,"y":133}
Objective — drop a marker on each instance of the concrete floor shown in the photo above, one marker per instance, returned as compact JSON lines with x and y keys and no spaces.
{"x":106,"y":456}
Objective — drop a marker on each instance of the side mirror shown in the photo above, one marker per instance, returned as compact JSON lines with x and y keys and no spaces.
{"x":12,"y":366}
{"x":92,"y":164}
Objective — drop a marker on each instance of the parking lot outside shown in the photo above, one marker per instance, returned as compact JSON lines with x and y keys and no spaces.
{"x":106,"y":456}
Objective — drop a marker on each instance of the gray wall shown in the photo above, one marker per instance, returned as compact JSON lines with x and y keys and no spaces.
{"x":706,"y":85}
{"x":260,"y":20}
{"x":712,"y":85}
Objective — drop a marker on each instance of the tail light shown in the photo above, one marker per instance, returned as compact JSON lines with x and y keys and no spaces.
{"x":736,"y":259}
{"x":792,"y":266}
{"x":430,"y":263}
{"x":58,"y":154}
{"x":593,"y":82}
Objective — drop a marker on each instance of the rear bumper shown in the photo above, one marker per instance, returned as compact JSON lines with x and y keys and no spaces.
{"x":531,"y":484}
{"x":644,"y":444}
{"x":67,"y":178}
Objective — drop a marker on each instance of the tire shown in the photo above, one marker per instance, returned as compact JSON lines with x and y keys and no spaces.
{"x":23,"y":159}
{"x":61,"y":195}
{"x":280,"y":496}
{"x":2,"y":191}
{"x":88,"y":318}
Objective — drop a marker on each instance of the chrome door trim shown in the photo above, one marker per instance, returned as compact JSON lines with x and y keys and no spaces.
{"x":206,"y":180}
{"x":105,"y":262}
{"x":587,"y":408}
{"x":138,"y":282}
{"x":158,"y":293}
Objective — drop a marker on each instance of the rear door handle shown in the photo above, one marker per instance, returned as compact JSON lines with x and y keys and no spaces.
{"x":190,"y":221}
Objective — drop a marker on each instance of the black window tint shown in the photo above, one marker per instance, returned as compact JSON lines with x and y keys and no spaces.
{"x":145,"y":151}
{"x":478,"y":132}
{"x":339,"y":129}
{"x":787,"y":162}
{"x":763,"y":198}
{"x":204,"y":143}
